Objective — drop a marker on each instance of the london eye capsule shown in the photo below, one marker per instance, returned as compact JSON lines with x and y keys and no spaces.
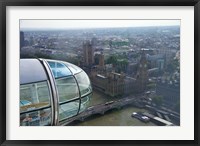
{"x":51,"y":92}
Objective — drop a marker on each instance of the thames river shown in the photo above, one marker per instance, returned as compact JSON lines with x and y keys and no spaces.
{"x":115,"y":117}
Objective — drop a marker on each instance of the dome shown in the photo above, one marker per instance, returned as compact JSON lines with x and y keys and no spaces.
{"x":51,"y":91}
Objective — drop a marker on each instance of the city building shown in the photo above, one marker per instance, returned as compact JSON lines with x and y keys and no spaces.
{"x":101,"y":60}
{"x":117,"y":84}
{"x":157,"y":61}
{"x":142,"y":73}
{"x":170,"y":93}
{"x":88,"y":53}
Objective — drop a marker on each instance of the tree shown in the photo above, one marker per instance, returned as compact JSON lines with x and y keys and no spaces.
{"x":112,"y":60}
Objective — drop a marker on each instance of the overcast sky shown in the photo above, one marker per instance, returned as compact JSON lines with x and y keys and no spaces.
{"x":75,"y":24}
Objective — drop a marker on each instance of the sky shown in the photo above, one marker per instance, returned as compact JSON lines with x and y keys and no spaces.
{"x":79,"y":24}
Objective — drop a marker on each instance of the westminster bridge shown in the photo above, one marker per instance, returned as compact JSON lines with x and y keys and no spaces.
{"x":104,"y":107}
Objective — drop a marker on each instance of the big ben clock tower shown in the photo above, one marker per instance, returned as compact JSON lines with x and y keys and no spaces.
{"x":142,"y":76}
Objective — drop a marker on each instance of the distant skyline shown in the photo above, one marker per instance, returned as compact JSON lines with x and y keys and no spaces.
{"x":81,"y":24}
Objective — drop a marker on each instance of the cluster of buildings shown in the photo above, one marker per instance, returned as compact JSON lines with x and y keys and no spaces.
{"x":106,"y":79}
{"x":149,"y":53}
{"x":138,"y":76}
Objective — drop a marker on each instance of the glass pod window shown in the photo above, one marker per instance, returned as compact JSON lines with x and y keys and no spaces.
{"x":59,"y":69}
{"x":84,"y":83}
{"x":85,"y":89}
{"x":35,"y":107}
{"x":68,"y":93}
{"x":73,"y":86}
{"x":85,"y":102}
{"x":68,"y":97}
{"x":67,"y":89}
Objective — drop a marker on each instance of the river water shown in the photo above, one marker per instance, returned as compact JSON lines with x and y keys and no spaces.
{"x":114,"y":117}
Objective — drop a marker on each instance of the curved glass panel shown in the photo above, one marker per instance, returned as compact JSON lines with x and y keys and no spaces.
{"x":68,"y":110}
{"x":84,"y":83}
{"x":36,"y":118}
{"x":59,"y":69}
{"x":85,"y":103}
{"x":31,"y":70}
{"x":67,"y":88}
{"x":74,"y":69}
{"x":35,"y":96}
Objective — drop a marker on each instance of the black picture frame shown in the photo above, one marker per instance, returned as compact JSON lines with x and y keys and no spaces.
{"x":5,"y":3}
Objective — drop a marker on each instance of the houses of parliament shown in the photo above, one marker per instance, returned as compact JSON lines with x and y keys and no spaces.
{"x":105,"y":78}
